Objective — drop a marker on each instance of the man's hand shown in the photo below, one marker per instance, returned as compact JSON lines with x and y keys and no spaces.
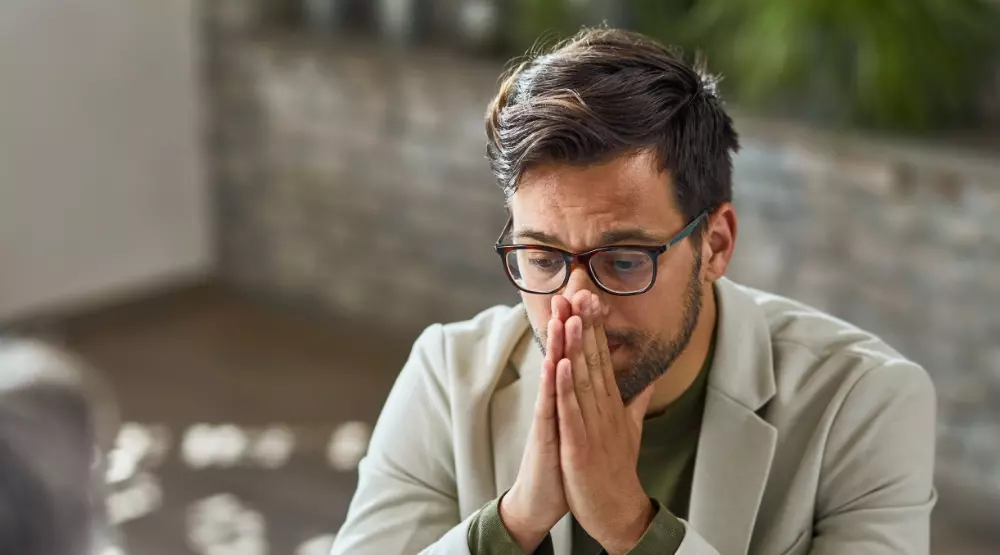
{"x":537,"y":501}
{"x":599,"y":436}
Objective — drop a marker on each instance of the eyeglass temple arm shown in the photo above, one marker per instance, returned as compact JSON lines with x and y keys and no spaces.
{"x":506,"y":229}
{"x":688,"y":229}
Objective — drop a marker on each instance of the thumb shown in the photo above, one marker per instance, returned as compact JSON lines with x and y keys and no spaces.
{"x":636,"y":409}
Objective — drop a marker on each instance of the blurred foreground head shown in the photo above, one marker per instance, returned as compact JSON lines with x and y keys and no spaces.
{"x":51,"y":436}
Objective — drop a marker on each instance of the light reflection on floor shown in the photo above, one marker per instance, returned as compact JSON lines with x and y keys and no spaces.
{"x":227,"y":445}
{"x":221,"y":524}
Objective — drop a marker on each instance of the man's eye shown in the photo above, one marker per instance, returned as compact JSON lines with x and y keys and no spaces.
{"x":629,"y":263}
{"x":543,"y":262}
{"x":546,"y":262}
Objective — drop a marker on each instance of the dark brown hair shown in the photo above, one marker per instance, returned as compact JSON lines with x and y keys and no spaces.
{"x":605,"y":93}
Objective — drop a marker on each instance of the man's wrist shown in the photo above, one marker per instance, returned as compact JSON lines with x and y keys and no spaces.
{"x":632,"y":530}
{"x":522,"y":530}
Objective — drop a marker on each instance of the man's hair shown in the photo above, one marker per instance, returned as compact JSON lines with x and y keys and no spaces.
{"x":605,"y":93}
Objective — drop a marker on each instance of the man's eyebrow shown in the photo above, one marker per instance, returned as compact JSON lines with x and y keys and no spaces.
{"x":618,"y":236}
{"x":630,"y":235}
{"x":536,"y":235}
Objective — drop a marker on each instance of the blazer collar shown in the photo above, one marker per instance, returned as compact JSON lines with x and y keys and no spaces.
{"x":742,"y":366}
{"x":736,"y":446}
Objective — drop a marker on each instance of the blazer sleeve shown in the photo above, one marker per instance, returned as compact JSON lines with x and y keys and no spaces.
{"x":406,"y":500}
{"x":876,"y":489}
{"x":877,"y":482}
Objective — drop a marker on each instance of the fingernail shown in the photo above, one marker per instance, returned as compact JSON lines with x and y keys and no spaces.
{"x":585,"y":305}
{"x":595,"y":305}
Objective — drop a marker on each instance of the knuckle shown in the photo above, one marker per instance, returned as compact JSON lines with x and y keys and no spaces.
{"x":542,"y":413}
{"x":593,"y":359}
{"x":605,"y":358}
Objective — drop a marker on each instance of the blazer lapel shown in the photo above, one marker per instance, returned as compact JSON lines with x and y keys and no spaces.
{"x":731,"y":469}
{"x":511,"y":409}
{"x":736,"y":446}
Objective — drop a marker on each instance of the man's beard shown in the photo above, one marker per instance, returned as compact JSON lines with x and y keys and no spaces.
{"x":652,"y":356}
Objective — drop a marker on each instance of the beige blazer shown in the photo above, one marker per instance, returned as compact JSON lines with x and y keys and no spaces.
{"x":817,"y":438}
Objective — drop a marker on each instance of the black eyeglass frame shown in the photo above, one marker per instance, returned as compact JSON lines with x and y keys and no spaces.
{"x":583,"y":258}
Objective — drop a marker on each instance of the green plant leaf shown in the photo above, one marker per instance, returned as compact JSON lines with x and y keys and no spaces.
{"x":898,"y":64}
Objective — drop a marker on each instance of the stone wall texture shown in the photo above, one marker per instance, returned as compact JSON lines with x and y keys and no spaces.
{"x":353,"y":179}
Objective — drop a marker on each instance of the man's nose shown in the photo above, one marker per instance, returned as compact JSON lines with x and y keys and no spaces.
{"x":579,"y":279}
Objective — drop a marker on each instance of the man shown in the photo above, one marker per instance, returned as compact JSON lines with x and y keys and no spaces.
{"x":660,"y":408}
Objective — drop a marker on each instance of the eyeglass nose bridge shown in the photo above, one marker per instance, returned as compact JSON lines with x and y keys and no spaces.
{"x":581,"y":260}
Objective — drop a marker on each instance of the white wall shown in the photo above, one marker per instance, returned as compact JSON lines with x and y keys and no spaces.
{"x":102,"y":181}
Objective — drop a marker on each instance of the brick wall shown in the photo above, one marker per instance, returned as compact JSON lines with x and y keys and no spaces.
{"x":358,"y":182}
{"x":353,"y":179}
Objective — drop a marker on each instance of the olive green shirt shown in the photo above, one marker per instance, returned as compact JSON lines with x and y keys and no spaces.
{"x":665,"y":468}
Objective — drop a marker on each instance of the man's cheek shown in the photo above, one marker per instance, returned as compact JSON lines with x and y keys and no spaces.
{"x":539,"y":310}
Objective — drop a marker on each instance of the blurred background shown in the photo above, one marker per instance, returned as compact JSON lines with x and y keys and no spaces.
{"x":242,"y":212}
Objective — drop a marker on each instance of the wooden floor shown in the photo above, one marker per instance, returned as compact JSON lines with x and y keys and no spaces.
{"x":208,"y":355}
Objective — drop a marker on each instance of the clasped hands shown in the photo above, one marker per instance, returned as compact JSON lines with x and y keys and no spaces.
{"x":584,"y":442}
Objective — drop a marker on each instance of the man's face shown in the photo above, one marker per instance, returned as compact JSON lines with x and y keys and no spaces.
{"x":575,"y":209}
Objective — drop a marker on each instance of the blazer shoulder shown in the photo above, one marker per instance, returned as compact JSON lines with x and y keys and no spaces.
{"x":795,"y":324}
{"x":814,"y":351}
{"x":482,"y":325}
{"x":894,"y":381}
{"x":477,"y":349}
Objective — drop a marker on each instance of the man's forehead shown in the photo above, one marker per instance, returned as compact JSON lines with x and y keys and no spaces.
{"x":625,"y":182}
{"x":584,"y":221}
{"x":597,"y":236}
{"x":627,"y":192}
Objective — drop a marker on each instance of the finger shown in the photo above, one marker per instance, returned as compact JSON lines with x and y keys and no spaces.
{"x":577,"y":301}
{"x":545,"y":425}
{"x":601,"y":336}
{"x":581,"y":375}
{"x":572,"y":432}
{"x":596,"y":356}
{"x":555,"y":341}
{"x":561,"y":309}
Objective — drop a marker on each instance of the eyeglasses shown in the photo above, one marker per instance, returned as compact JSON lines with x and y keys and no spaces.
{"x":618,"y":270}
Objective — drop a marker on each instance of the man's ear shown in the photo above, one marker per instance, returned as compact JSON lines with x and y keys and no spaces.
{"x":718,"y":241}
